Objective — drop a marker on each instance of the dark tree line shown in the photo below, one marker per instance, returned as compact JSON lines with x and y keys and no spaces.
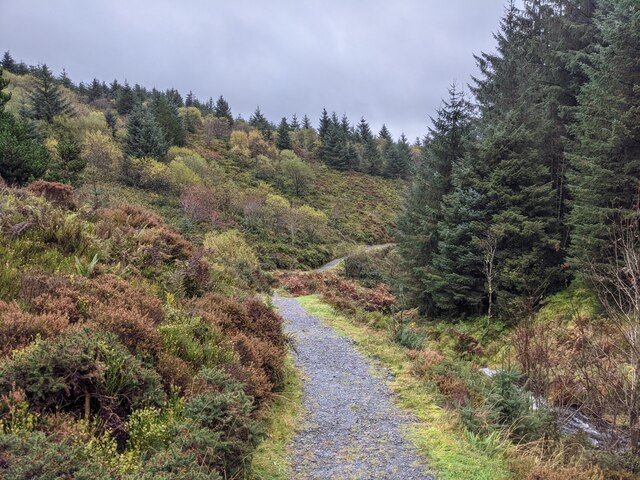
{"x":516,"y":194}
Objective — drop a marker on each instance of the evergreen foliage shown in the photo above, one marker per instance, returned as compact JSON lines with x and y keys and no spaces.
{"x":126,"y":100}
{"x":606,"y":160}
{"x":259,"y":121}
{"x":145,"y":137}
{"x":166,"y":114}
{"x":47,"y":100}
{"x":283,"y":140}
{"x":223,"y":110}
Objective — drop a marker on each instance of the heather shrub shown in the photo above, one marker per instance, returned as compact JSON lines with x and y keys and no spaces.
{"x":200,"y":204}
{"x":135,"y":331}
{"x":140,"y":238}
{"x":60,"y":373}
{"x":59,"y":194}
{"x":18,"y":328}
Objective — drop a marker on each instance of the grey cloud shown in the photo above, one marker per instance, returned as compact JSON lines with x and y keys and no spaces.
{"x":387,"y":61}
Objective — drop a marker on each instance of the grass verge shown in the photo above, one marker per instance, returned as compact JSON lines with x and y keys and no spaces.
{"x":438,"y":436}
{"x":280,"y":419}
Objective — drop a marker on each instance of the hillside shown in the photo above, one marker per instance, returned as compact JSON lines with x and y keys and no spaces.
{"x":136,"y":341}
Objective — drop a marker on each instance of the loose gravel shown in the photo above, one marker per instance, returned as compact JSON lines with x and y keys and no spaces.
{"x":352,"y":429}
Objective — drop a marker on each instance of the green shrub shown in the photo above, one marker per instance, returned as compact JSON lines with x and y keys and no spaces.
{"x":195,"y":341}
{"x":225,"y":412}
{"x":59,"y":374}
{"x":31,"y":455}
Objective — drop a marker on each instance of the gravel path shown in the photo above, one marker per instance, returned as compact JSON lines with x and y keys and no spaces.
{"x":336,"y":262}
{"x":352,"y":428}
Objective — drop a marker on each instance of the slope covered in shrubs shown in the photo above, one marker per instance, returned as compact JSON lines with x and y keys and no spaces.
{"x":118,"y":358}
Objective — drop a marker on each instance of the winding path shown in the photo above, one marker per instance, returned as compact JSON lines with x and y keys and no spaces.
{"x":335,"y":262}
{"x":352,"y":429}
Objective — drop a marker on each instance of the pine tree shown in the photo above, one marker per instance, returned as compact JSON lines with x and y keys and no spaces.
{"x":126,"y":100}
{"x":111,"y":120}
{"x":306,"y":123}
{"x":606,"y":157}
{"x":399,"y":159}
{"x":370,"y":160}
{"x":47,"y":100}
{"x":144,"y":136}
{"x":64,"y":79}
{"x":283,"y":141}
{"x":325,"y":123}
{"x":223,"y":110}
{"x":420,"y":220}
{"x":295,"y":125}
{"x":8,"y":63}
{"x":188,"y":102}
{"x":259,"y":121}
{"x":385,"y":147}
{"x":94,"y":91}
{"x":166,"y":115}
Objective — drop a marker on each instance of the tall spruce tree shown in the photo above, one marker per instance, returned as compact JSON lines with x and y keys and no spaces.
{"x":399,"y":159}
{"x":606,"y":157}
{"x":47,"y":100}
{"x":166,"y":114}
{"x":8,"y":63}
{"x":306,"y":123}
{"x":419,"y":221}
{"x":325,"y":123}
{"x":145,"y":137}
{"x":385,"y":147}
{"x":283,"y":140}
{"x":223,"y":110}
{"x":259,"y":121}
{"x":126,"y":99}
{"x":370,"y":160}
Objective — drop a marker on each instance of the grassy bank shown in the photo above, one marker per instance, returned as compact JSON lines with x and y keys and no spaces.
{"x":271,"y":459}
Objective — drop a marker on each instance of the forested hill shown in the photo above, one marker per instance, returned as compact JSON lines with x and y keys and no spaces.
{"x":299,"y":195}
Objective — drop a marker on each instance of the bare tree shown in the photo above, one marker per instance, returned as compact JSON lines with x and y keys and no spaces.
{"x":617,"y":281}
{"x":488,"y":246}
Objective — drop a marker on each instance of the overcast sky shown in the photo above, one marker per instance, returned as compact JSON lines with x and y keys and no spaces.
{"x":389,"y":61}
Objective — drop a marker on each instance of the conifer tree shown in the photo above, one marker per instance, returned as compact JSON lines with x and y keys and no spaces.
{"x":399,"y":159}
{"x":223,"y":110}
{"x":324,"y":125}
{"x":370,"y":160}
{"x":385,"y":147}
{"x":126,"y":100}
{"x":420,"y":220}
{"x":259,"y":121}
{"x":295,"y":124}
{"x":306,"y":123}
{"x":606,"y":157}
{"x":283,"y":140}
{"x":64,"y":79}
{"x":166,"y":115}
{"x":8,"y":63}
{"x":188,"y":102}
{"x":144,"y":136}
{"x":47,"y":100}
{"x":111,"y":120}
{"x":22,"y":157}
